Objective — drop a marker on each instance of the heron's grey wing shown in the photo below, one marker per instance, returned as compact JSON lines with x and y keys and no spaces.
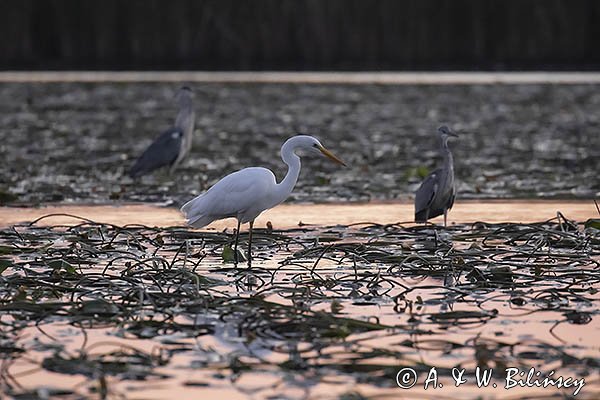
{"x":162,"y":152}
{"x":426,"y":192}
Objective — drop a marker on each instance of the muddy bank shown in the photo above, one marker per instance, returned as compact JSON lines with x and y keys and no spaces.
{"x":73,"y":141}
{"x":291,"y":215}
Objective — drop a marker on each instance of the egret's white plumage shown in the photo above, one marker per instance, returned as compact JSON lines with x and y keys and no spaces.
{"x":247,"y":193}
{"x":243,"y":195}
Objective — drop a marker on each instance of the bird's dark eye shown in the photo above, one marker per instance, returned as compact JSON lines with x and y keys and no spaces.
{"x":315,"y":145}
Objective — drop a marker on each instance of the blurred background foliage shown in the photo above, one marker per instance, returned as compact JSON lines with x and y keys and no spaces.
{"x":300,"y":34}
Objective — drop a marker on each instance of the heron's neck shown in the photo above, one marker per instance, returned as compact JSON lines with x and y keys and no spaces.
{"x":285,"y":187}
{"x":185,"y":118}
{"x":447,"y":154}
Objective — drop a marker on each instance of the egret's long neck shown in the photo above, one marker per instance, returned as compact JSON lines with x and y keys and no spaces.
{"x":285,"y":187}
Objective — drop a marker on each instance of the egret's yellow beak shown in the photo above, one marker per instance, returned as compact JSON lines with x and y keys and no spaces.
{"x":331,"y":156}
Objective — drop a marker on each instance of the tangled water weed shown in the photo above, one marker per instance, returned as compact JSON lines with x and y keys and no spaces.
{"x":72,"y":142}
{"x":334,"y":312}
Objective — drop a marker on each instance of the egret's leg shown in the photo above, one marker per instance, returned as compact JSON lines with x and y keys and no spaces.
{"x":235,"y":246}
{"x":445,"y":216}
{"x":250,"y":244}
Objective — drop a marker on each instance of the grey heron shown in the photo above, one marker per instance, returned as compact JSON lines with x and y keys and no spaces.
{"x":171,"y":147}
{"x":245,"y":194}
{"x":436,"y":194}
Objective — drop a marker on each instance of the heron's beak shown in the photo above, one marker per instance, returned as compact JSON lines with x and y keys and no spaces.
{"x":452,"y":134}
{"x":331,"y":156}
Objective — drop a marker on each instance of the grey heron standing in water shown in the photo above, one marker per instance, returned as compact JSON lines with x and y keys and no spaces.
{"x":171,"y":147}
{"x":436,"y":194}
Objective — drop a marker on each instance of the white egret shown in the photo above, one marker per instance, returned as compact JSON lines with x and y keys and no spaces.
{"x":245,"y":194}
{"x":171,"y":147}
{"x":436,"y":194}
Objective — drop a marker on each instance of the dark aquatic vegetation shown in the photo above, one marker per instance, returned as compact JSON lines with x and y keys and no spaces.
{"x":115,"y":305}
{"x":75,"y":141}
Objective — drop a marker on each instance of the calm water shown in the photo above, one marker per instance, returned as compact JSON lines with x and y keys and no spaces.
{"x":325,"y":312}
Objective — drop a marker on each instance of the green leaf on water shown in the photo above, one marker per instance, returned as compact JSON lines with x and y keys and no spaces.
{"x":7,"y":197}
{"x":457,"y":315}
{"x":336,"y":306}
{"x":419,"y":172}
{"x":340,"y":332}
{"x":422,"y":171}
{"x":323,"y":180}
{"x":228,"y":255}
{"x":20,"y":250}
{"x":4,"y":264}
{"x":593,"y":223}
{"x":8,"y":250}
{"x":62,"y":264}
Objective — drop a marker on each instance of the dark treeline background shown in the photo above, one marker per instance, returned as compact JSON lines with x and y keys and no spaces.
{"x":300,"y":34}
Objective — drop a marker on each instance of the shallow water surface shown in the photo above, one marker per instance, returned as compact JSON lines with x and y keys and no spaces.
{"x":288,"y":215}
{"x":334,"y":312}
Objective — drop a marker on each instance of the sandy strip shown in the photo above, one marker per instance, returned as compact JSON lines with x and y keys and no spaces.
{"x":382,"y":78}
{"x":289,"y":215}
